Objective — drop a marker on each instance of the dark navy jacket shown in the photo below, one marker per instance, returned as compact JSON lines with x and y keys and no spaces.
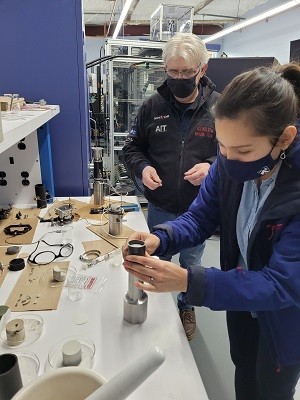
{"x":156,"y":140}
{"x":271,"y":286}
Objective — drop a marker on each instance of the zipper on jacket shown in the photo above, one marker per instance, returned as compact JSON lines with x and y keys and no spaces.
{"x":183,"y":142}
{"x":180,"y":161}
{"x":180,"y":170}
{"x":183,"y":139}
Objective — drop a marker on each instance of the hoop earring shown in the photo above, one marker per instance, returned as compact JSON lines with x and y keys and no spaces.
{"x":282,"y":155}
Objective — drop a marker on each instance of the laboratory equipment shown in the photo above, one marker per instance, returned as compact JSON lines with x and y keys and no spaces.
{"x":136,"y":300}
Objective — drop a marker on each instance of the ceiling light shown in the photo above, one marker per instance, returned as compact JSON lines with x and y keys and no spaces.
{"x":250,"y":21}
{"x":122,"y":18}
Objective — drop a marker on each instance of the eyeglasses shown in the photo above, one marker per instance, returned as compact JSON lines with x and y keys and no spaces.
{"x":185,"y":74}
{"x":47,"y":256}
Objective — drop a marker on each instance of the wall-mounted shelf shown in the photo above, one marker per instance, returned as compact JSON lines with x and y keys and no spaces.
{"x":15,"y":130}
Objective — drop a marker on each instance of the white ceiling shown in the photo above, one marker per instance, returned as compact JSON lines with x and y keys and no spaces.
{"x":104,"y":12}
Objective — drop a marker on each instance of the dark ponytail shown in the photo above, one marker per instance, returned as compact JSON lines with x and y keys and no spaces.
{"x":267,"y":99}
{"x":291,"y":72}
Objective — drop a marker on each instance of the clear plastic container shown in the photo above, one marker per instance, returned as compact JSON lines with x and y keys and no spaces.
{"x":55,"y":356}
{"x":33,"y":325}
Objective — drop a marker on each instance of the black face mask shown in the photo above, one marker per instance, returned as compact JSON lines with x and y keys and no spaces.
{"x":182,"y":88}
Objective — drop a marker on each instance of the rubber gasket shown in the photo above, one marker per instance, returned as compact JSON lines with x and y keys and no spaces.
{"x":16,"y":264}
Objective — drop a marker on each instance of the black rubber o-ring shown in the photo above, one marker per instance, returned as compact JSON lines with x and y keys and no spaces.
{"x":17,"y":264}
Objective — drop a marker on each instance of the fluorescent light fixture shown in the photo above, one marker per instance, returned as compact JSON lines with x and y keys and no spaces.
{"x":122,"y":17}
{"x":250,"y":21}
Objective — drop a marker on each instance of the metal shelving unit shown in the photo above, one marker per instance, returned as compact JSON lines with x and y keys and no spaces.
{"x":129,"y":80}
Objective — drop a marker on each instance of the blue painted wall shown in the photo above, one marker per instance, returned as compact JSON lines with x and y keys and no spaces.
{"x":42,"y":56}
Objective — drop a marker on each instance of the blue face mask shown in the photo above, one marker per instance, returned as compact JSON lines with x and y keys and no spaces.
{"x":242,"y":171}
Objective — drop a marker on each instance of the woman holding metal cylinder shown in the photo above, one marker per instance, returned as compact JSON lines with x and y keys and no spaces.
{"x":252,"y":192}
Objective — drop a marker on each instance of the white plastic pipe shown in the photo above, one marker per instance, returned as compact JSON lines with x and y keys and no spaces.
{"x":126,"y":381}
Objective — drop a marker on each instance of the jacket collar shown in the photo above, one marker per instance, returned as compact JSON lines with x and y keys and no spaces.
{"x":293,"y":155}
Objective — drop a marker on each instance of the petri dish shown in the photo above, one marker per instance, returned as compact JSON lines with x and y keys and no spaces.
{"x":29,"y":366}
{"x":55,"y":356}
{"x":33,"y":325}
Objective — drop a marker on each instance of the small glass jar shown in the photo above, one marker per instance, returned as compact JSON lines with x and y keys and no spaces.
{"x":15,"y":104}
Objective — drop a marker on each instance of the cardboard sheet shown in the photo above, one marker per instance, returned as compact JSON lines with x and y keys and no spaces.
{"x":116,"y":241}
{"x":101,"y":245}
{"x":5,"y":259}
{"x":35,"y":284}
{"x":28,"y":216}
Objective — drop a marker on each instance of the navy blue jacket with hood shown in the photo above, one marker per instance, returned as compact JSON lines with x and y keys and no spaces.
{"x":271,"y":285}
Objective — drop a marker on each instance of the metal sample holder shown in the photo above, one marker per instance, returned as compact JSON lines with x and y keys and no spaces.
{"x":136,"y":300}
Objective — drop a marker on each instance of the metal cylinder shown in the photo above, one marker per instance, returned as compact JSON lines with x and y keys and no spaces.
{"x":98,"y":162}
{"x":135,"y":313}
{"x":136,"y":300}
{"x":138,"y":248}
{"x":115,"y":218}
{"x":98,"y":185}
{"x":98,"y":189}
{"x":40,"y":195}
{"x":97,"y":153}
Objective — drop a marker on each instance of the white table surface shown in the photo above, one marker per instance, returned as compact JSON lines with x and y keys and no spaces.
{"x":117,"y":342}
{"x":19,"y":126}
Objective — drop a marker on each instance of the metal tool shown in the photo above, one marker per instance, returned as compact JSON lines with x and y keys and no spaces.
{"x":136,"y":300}
{"x":65,"y":213}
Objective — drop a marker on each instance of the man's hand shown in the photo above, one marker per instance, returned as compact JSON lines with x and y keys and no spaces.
{"x":197,"y":174}
{"x":150,"y":178}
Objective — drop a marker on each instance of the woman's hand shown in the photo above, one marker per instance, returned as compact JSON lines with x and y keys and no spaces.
{"x":156,"y":275}
{"x":151,"y":241}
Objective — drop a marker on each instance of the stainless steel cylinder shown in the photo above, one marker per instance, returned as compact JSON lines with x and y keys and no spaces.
{"x":115,"y":219}
{"x":138,"y":248}
{"x":97,"y":153}
{"x":135,"y":312}
{"x":136,"y":300}
{"x":98,"y":189}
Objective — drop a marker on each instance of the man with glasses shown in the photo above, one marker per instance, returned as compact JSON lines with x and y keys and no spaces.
{"x":172,"y":144}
